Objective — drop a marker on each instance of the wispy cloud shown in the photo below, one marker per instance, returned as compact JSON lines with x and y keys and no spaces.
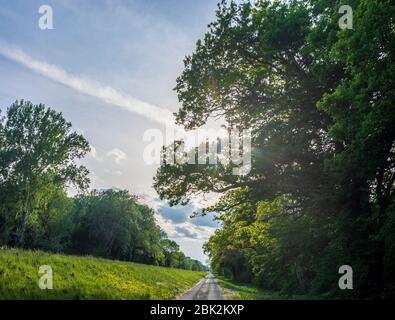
{"x":88,"y":86}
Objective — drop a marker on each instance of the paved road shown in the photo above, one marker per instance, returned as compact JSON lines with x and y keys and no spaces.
{"x":206,"y":289}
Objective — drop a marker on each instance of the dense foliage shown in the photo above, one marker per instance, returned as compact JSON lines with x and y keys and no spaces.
{"x":38,"y":160}
{"x":320,"y":103}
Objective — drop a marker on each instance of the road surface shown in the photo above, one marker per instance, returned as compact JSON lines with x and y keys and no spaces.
{"x":206,"y":289}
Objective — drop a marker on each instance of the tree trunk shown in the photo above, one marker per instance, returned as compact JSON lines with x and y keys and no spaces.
{"x":24,"y":219}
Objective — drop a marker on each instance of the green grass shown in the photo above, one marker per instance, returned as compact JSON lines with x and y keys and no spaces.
{"x":239,"y":291}
{"x":76,"y":277}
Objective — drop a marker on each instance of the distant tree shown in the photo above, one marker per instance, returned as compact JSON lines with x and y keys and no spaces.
{"x":170,"y":249}
{"x":55,"y":225}
{"x":38,"y":149}
{"x":107,"y":224}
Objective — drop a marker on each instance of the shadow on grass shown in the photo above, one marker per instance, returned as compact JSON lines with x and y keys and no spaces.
{"x":65,"y":294}
{"x":243,"y":291}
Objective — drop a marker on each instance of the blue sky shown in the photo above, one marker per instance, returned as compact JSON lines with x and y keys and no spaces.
{"x":110,"y":67}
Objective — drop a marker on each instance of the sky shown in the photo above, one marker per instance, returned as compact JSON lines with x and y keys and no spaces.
{"x":110,"y":67}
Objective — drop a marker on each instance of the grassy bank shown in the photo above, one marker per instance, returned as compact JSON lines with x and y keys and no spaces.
{"x":76,"y":277}
{"x":237,"y":291}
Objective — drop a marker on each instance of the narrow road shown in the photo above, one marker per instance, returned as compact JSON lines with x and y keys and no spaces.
{"x":206,"y":289}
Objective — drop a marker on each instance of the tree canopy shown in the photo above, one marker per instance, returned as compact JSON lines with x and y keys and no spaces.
{"x":37,"y":157}
{"x":319,"y":102}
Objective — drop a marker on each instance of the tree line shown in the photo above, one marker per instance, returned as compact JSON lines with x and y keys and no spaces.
{"x":39,"y":156}
{"x":319,"y":101}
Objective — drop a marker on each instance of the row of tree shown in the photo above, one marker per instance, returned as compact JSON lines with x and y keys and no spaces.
{"x":319,"y":101}
{"x":38,"y":160}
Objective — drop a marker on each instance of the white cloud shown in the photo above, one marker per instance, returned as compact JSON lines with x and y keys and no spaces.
{"x":117,"y":154}
{"x":93,"y":154}
{"x":88,"y":86}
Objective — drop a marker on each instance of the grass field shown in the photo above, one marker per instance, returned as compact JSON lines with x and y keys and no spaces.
{"x":76,"y":277}
{"x":236,"y":291}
